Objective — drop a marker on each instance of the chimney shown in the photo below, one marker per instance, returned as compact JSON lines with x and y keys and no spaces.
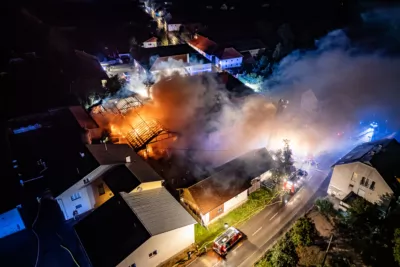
{"x":128,"y":159}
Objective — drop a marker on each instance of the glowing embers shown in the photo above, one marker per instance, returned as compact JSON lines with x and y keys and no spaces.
{"x":143,"y":132}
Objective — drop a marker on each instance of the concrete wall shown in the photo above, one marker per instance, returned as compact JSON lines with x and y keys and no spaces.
{"x":345,"y":175}
{"x":166,"y":244}
{"x":10,"y":223}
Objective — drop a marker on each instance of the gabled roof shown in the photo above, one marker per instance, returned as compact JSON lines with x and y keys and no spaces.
{"x":151,"y":40}
{"x":204,"y":44}
{"x":383,"y":155}
{"x":231,"y":179}
{"x":227,"y":53}
{"x":110,"y":233}
{"x":117,"y":153}
{"x":158,"y":211}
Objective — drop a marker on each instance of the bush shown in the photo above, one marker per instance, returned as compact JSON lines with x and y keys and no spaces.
{"x":324,"y":206}
{"x":303,"y":232}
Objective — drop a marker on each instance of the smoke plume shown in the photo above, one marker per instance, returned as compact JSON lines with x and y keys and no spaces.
{"x":330,"y":90}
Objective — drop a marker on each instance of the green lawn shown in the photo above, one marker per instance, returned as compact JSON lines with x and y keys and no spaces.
{"x":257,"y":201}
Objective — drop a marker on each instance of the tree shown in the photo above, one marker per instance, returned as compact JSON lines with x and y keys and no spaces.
{"x":396,"y":247}
{"x":283,"y":253}
{"x":287,"y":158}
{"x":359,"y":207}
{"x":324,"y":206}
{"x":303,"y":232}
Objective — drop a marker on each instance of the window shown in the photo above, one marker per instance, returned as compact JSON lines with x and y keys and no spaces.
{"x":219,"y":210}
{"x":76,"y":196}
{"x":362,"y":181}
{"x":86,"y":181}
{"x":101,"y":190}
{"x":133,"y":265}
{"x":152,"y":254}
{"x":78,"y":206}
{"x":366,"y":182}
{"x":372,"y":186}
{"x":354,"y":177}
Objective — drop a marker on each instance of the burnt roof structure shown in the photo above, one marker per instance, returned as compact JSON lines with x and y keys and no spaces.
{"x":383,"y":155}
{"x":231,"y":179}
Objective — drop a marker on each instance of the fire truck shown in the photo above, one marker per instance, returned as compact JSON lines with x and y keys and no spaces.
{"x":226,"y":240}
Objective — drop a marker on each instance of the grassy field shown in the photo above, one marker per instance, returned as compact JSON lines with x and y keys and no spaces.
{"x":256,"y":202}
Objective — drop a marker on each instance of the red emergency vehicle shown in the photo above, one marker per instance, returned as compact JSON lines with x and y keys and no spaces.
{"x":226,"y":240}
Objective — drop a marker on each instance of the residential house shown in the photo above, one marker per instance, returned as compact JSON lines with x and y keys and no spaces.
{"x":59,"y":147}
{"x":119,"y":169}
{"x":203,"y":46}
{"x":223,"y":57}
{"x":229,"y":187}
{"x":371,"y":171}
{"x":169,"y":59}
{"x":228,"y":58}
{"x":137,"y":228}
{"x":152,"y":42}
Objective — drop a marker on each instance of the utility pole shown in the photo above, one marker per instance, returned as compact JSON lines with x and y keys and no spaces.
{"x":326,"y":252}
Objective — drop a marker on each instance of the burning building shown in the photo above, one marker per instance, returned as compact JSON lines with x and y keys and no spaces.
{"x":122,"y":118}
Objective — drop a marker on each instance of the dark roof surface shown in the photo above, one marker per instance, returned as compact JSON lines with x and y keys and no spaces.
{"x":110,"y":233}
{"x":120,"y":179}
{"x":234,"y":86}
{"x":231,"y":179}
{"x":117,"y":154}
{"x":55,"y":137}
{"x":246,"y":45}
{"x":383,"y":155}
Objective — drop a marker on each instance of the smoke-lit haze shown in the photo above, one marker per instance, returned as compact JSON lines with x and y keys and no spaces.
{"x":330,"y":89}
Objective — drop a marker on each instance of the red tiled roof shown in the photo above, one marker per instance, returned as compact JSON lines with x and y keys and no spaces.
{"x":229,"y":52}
{"x":204,"y":44}
{"x":151,"y":40}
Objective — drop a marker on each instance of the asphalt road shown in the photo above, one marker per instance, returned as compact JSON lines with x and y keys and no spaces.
{"x":263,"y":229}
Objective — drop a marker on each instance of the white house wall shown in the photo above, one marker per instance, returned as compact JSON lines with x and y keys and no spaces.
{"x":235,"y":201}
{"x":339,"y":185}
{"x":10,"y":223}
{"x":149,"y":44}
{"x":200,"y":68}
{"x":167,"y":245}
{"x":229,"y":63}
{"x":86,"y":200}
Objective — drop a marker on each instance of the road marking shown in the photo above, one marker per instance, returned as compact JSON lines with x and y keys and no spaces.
{"x":257,"y":231}
{"x":215,"y":264}
{"x":273,"y":216}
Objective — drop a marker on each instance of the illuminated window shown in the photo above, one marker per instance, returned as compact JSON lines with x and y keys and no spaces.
{"x":354,"y":177}
{"x":101,"y":190}
{"x":76,"y":196}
